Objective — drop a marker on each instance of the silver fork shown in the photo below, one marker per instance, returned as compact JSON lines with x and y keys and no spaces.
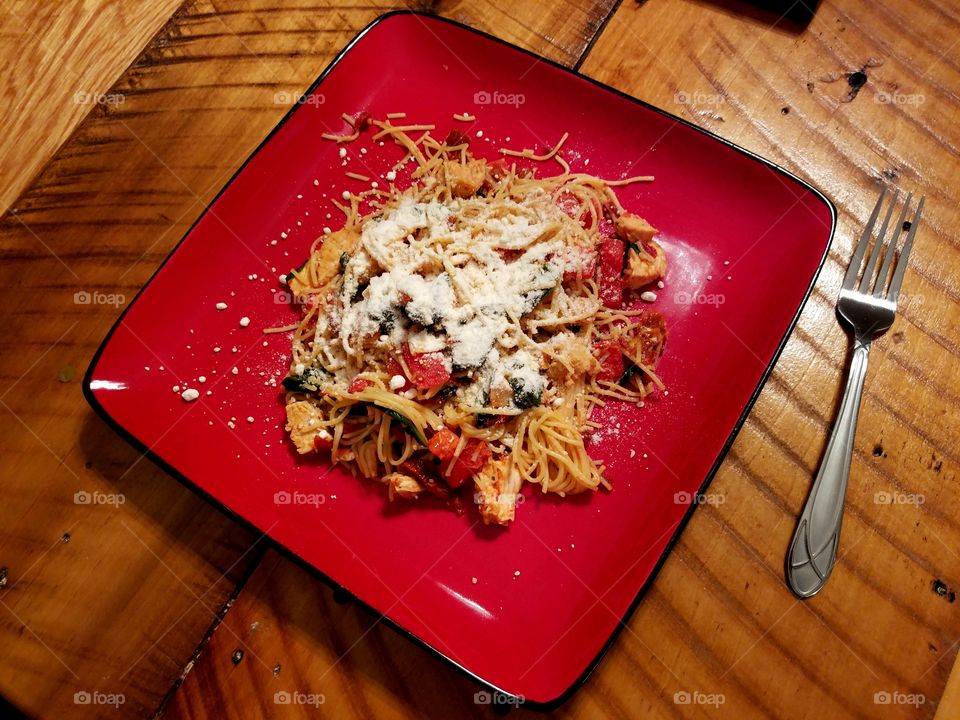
{"x":868,"y":307}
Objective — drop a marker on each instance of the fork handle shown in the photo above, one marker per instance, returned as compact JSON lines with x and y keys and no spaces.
{"x":814,"y":547}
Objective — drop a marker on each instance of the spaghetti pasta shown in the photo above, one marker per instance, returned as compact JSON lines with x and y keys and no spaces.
{"x":459,"y":333}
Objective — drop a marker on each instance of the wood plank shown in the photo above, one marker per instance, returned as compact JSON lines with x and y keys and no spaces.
{"x":115,"y":599}
{"x":878,"y":623}
{"x":719,"y":619}
{"x":59,"y":60}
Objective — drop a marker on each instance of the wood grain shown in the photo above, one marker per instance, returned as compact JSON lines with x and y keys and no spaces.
{"x":719,"y":620}
{"x":115,"y":598}
{"x":59,"y":60}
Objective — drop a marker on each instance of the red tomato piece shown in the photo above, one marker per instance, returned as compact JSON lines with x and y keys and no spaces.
{"x":444,"y":443}
{"x":429,"y":370}
{"x":474,"y":456}
{"x":578,"y":262}
{"x":610,"y":358}
{"x":322,"y":444}
{"x":610,"y":272}
{"x":359,"y":384}
{"x":394,"y":368}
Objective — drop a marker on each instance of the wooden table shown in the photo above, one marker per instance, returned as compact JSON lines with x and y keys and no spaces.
{"x":164,"y":600}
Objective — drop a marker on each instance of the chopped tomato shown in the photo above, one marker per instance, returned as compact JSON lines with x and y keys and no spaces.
{"x":456,"y":137}
{"x":610,"y":272}
{"x":578,"y":262}
{"x":610,"y":357}
{"x":444,"y":443}
{"x":359,"y":384}
{"x":606,"y":228}
{"x":322,"y":441}
{"x":568,"y":203}
{"x":499,"y":169}
{"x":429,"y":370}
{"x":645,"y":337}
{"x":474,"y":456}
{"x":394,"y":368}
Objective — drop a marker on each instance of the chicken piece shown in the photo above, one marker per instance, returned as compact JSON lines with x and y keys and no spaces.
{"x":635,"y":229}
{"x":324,"y":265}
{"x":565,"y":349}
{"x":303,"y":424}
{"x":465,"y":178}
{"x":646,"y":260}
{"x":643,"y":340}
{"x":498,"y":491}
{"x":402,"y":486}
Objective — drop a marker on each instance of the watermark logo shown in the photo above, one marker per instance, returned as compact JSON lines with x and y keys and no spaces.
{"x":886,"y":697}
{"x":84,"y":497}
{"x":893,"y":497}
{"x":95,"y":697}
{"x":505,"y":499}
{"x":85,"y":297}
{"x":82,"y":97}
{"x":289,"y":98}
{"x":685,"y":498}
{"x":497,"y":698}
{"x":699,"y":298}
{"x":283,"y":497}
{"x":495,"y":97}
{"x":684,"y":97}
{"x":898,"y":98}
{"x":283,"y":697}
{"x":684,"y":697}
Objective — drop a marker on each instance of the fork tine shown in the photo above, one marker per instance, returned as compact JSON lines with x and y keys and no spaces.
{"x":904,"y":255}
{"x":881,"y":287}
{"x":854,"y":270}
{"x":867,"y":279}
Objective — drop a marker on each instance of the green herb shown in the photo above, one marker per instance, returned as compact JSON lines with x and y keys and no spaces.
{"x":524,"y":396}
{"x":408,"y":426}
{"x":309,"y":381}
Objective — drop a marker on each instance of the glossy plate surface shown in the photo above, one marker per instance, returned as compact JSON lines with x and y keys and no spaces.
{"x":528,"y":609}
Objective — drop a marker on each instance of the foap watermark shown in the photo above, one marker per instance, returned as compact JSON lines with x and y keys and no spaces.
{"x":895,"y":697}
{"x":95,"y":297}
{"x":683,"y":97}
{"x":893,"y":497}
{"x":699,"y":298}
{"x":495,"y":97}
{"x":285,"y":697}
{"x":283,"y":297}
{"x":85,"y":497}
{"x":685,"y":498}
{"x":283,"y":497}
{"x":506,"y":499}
{"x":685,"y":697}
{"x":485,"y":697}
{"x":289,"y":98}
{"x":82,"y":97}
{"x":95,"y":697}
{"x":898,"y":98}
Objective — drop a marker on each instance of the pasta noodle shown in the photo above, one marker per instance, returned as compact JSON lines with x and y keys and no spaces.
{"x":457,"y":334}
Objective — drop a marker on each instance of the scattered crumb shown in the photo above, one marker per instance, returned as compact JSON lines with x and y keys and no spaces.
{"x":202,"y":379}
{"x":648,"y":296}
{"x":221,"y":306}
{"x":244,"y":321}
{"x":473,"y":580}
{"x":190,"y":394}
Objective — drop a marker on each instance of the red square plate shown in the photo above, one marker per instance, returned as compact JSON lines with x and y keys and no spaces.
{"x":529,"y":609}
